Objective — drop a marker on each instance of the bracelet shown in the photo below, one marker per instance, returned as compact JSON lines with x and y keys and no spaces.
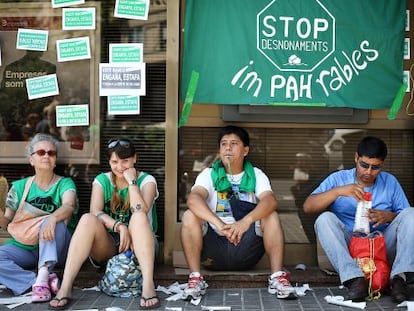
{"x":113,"y":227}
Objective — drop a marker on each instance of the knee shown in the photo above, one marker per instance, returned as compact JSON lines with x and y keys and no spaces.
{"x":189,"y":219}
{"x":323,"y":220}
{"x":88,"y":220}
{"x":407,"y":216}
{"x":271,"y":221}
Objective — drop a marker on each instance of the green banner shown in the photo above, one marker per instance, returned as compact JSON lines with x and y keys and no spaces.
{"x":305,"y":52}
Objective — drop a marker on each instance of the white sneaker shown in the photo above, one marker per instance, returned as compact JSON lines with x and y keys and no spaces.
{"x":279,"y":284}
{"x":196,"y":286}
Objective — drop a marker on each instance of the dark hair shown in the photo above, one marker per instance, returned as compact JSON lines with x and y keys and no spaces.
{"x":372,"y":147}
{"x":122,"y":147}
{"x":236,"y":130}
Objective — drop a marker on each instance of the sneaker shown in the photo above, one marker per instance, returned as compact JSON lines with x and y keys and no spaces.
{"x":196,"y":286}
{"x":279,"y":284}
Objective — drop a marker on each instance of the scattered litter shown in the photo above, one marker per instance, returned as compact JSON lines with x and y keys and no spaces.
{"x":13,"y":302}
{"x":176,"y":290}
{"x":215,"y":308}
{"x":94,"y":288}
{"x":195,"y":302}
{"x":301,"y":290}
{"x":339,"y":300}
{"x":233,"y":294}
{"x":175,"y":297}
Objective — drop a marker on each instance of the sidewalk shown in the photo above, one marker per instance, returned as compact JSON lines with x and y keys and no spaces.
{"x":239,"y":299}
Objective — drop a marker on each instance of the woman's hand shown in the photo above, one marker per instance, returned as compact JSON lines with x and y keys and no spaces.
{"x":124,"y":238}
{"x":48,"y":229}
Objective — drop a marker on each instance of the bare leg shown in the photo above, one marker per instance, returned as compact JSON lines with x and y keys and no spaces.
{"x":192,"y":240}
{"x":90,"y":235}
{"x":143,"y":244}
{"x":273,"y":240}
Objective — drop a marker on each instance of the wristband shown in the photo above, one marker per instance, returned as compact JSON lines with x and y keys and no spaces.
{"x":113,"y":227}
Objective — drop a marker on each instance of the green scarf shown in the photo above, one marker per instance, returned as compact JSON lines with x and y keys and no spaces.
{"x":222,"y":184}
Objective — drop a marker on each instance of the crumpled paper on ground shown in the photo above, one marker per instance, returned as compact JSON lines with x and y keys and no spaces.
{"x":340,"y":301}
{"x":175,"y":291}
{"x":13,"y":302}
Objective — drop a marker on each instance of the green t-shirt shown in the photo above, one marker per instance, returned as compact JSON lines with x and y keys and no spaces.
{"x":49,"y":200}
{"x":104,"y":179}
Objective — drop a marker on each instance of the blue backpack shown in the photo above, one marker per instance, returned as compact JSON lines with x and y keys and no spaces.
{"x":123,"y":277}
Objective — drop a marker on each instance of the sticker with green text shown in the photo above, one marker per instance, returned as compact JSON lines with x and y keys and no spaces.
{"x":126,"y":52}
{"x":73,"y":49}
{"x":78,"y":18}
{"x":72,"y":115}
{"x":32,"y":39}
{"x":123,"y":104}
{"x":42,"y":86}
{"x":132,"y":9}
{"x":61,"y":3}
{"x":122,"y":79}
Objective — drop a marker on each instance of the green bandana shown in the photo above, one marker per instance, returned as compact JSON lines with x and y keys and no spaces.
{"x":222,"y":184}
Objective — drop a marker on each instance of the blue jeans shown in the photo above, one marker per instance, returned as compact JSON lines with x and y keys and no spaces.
{"x":16,"y":262}
{"x":399,"y":239}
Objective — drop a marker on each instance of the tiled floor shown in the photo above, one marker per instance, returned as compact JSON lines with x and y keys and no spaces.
{"x":247,"y":299}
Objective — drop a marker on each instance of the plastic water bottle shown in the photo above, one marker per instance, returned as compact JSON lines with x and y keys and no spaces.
{"x":128,"y":253}
{"x":361,"y":224}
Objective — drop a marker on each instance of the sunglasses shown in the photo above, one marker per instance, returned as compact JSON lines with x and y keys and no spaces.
{"x":114,"y":143}
{"x":42,"y":152}
{"x":374,"y":167}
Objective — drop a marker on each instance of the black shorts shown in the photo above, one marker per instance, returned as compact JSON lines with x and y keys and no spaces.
{"x":219,"y":254}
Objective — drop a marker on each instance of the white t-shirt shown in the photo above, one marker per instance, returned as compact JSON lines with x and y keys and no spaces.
{"x":221,"y":207}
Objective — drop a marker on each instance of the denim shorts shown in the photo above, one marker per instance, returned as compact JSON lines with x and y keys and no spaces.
{"x":219,"y":254}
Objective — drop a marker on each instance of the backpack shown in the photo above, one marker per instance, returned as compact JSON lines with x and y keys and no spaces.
{"x":123,"y":277}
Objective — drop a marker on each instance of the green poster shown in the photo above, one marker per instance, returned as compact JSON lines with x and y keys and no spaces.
{"x":303,"y":52}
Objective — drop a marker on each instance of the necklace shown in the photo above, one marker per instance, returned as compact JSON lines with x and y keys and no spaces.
{"x":48,"y":185}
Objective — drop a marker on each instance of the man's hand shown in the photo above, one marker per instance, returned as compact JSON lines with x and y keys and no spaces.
{"x":352,"y":190}
{"x":380,"y":217}
{"x":234,"y":232}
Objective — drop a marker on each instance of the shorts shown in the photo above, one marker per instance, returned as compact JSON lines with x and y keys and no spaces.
{"x":115,"y":236}
{"x":219,"y":254}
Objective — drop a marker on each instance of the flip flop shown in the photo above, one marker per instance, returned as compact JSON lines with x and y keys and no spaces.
{"x":68,"y":303}
{"x":154,"y":306}
{"x":41,"y":292}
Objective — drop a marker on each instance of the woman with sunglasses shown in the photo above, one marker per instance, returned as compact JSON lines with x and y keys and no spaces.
{"x":53,"y":194}
{"x":120,"y":218}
